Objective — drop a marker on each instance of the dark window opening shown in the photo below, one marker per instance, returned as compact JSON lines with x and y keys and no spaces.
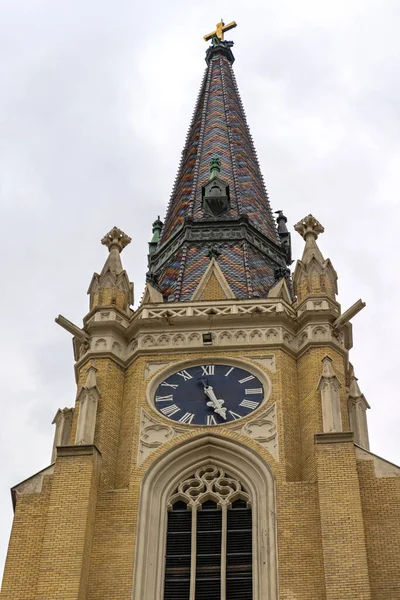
{"x":208,"y":552}
{"x":239,"y":552}
{"x":177,"y":563}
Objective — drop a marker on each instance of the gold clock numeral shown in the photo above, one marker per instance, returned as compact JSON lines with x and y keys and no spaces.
{"x":211,"y":420}
{"x":253,"y":391}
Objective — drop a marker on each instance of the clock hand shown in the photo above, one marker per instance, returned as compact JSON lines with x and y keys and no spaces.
{"x":215,"y":403}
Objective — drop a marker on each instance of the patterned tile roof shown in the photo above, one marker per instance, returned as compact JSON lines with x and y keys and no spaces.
{"x":250,"y":245}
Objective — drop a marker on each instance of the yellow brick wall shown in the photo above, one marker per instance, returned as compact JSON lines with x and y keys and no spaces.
{"x":109,"y":297}
{"x":301,"y":567}
{"x":315,"y":284}
{"x":24,"y":552}
{"x":342,"y":527}
{"x":213,"y":290}
{"x":110,"y":379}
{"x":67,"y":542}
{"x":381,"y":511}
{"x":288,"y":415}
{"x":79,"y":511}
{"x":309,"y":369}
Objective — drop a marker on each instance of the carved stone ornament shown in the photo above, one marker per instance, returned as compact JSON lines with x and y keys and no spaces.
{"x":88,"y":397}
{"x":154,"y":366}
{"x":329,"y":386}
{"x":116,"y":238}
{"x":263,"y":430}
{"x":209,"y":482}
{"x":266,"y":360}
{"x":153,"y":433}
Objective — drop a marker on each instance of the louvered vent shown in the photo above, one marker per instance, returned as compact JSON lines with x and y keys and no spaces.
{"x":208,"y":559}
{"x":239,"y":552}
{"x":177,"y":571}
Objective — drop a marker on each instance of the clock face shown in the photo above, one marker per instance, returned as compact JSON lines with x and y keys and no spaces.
{"x":208,"y":394}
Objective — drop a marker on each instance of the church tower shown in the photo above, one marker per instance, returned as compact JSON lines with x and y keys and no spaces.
{"x":217,"y":448}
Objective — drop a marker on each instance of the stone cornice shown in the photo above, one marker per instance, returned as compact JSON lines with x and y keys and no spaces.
{"x":78,"y":450}
{"x":117,"y":311}
{"x":174,"y":327}
{"x":337,"y":437}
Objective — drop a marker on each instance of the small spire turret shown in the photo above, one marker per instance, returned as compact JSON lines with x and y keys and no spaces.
{"x":313,"y":274}
{"x":156,"y":229}
{"x":284,"y":235}
{"x":112,"y":287}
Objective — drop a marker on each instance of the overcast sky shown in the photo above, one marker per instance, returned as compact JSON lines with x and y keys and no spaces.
{"x":96,"y":100}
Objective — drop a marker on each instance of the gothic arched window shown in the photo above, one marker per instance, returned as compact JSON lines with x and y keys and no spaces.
{"x":209,"y":539}
{"x":244,"y":493}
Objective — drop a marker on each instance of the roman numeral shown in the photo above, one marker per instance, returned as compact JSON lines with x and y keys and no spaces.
{"x":253,"y":391}
{"x":173,"y":385}
{"x":249,"y":404}
{"x":230,"y":371}
{"x":234,"y":415}
{"x":185,"y":375}
{"x":187,"y":418}
{"x":249,"y":378}
{"x":168,"y":411}
{"x":208,"y":370}
{"x":211,"y":420}
{"x":164,"y":398}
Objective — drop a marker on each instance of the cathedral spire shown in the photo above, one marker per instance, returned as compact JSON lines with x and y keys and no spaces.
{"x":219,"y":197}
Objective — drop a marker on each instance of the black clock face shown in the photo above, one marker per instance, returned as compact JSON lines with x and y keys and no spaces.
{"x":209,"y":394}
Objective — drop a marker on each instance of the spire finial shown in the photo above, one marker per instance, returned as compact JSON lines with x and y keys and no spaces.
{"x":219,"y":31}
{"x":309,"y":227}
{"x":116,"y":239}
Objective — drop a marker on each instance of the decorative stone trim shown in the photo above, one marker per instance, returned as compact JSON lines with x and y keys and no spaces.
{"x":382,"y":467}
{"x":263,"y":430}
{"x":63,"y":423}
{"x":32,"y":485}
{"x":267,"y":361}
{"x":336,"y":437}
{"x":329,"y":386}
{"x":154,"y":366}
{"x":217,"y":307}
{"x":152,"y":434}
{"x":88,"y":396}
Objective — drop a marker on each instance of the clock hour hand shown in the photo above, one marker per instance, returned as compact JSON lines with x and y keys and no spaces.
{"x":215,"y":402}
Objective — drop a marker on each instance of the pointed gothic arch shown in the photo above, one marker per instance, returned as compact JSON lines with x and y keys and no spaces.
{"x":159,"y":483}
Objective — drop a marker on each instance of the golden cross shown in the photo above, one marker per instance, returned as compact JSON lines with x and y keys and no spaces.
{"x":219,"y":32}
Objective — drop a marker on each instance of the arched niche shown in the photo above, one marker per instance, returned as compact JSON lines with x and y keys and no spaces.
{"x":157,"y":486}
